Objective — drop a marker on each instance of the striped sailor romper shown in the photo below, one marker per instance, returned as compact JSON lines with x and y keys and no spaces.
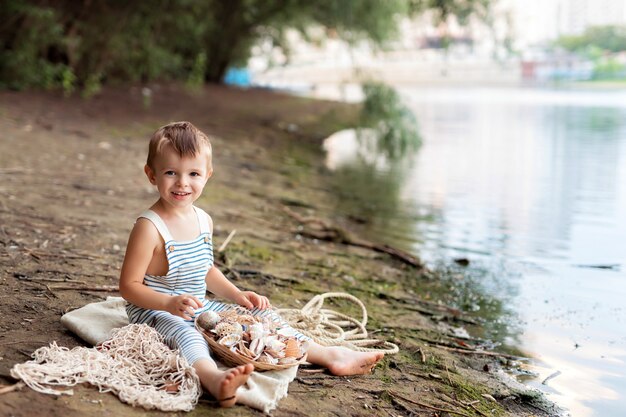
{"x":189,"y":262}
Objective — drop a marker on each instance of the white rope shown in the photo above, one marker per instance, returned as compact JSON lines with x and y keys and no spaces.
{"x":134,"y":364}
{"x":331,"y":328}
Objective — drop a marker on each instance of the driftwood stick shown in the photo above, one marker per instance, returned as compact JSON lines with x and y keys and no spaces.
{"x":477,"y":410}
{"x":15,"y":342}
{"x":11,"y":388}
{"x":110,"y":288}
{"x":432,"y":407}
{"x":227,"y":241}
{"x":479,"y":352}
{"x":335,"y":234}
{"x":64,"y":280}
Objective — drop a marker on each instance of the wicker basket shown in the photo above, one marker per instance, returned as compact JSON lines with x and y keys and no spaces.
{"x":230,"y":358}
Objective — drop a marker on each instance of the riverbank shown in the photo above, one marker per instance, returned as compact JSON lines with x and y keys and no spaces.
{"x":73,"y":185}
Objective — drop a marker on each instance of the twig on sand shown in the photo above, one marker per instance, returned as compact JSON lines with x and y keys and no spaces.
{"x":478,"y":352}
{"x":473,"y":405}
{"x":63,"y":280}
{"x":227,"y":241}
{"x":422,"y":354}
{"x":336,"y":234}
{"x":111,"y":288}
{"x":553,"y":375}
{"x":11,"y":388}
{"x":395,"y":395}
{"x":15,"y":342}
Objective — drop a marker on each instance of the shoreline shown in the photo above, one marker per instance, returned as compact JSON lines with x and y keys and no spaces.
{"x":84,"y":190}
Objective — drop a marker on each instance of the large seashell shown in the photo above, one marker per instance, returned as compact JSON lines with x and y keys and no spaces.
{"x":229,"y":340}
{"x":257,"y":345}
{"x":208,"y":320}
{"x":225,"y":328}
{"x":292,"y":348}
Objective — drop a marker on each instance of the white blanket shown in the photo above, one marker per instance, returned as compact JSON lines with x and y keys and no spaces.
{"x":94,"y":323}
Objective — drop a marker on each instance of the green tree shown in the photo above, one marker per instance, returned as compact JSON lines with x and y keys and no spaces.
{"x":604,"y":38}
{"x":69,"y":43}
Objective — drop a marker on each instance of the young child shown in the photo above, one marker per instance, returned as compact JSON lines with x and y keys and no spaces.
{"x":168,"y":266}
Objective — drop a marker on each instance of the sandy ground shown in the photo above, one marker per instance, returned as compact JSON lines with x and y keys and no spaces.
{"x":71,"y":185}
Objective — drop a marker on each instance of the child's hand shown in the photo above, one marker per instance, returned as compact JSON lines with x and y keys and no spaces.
{"x":250,"y":299}
{"x":183,"y":305}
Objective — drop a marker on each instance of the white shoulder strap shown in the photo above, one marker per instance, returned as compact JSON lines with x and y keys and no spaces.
{"x":206,"y":224}
{"x":158,"y":223}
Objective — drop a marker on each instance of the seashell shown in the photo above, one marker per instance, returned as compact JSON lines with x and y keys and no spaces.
{"x":287,"y":361}
{"x":245,"y":319}
{"x":257,"y":331}
{"x":275,"y":347}
{"x":304,"y":347}
{"x":208,"y":320}
{"x":243,"y":350}
{"x":292,"y":349}
{"x":225,"y":328}
{"x":228,"y":315}
{"x":265,"y":358}
{"x":257,"y":345}
{"x":229,"y":340}
{"x":273,"y":343}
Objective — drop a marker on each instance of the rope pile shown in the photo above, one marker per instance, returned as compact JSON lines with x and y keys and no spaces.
{"x":134,"y":364}
{"x":331,"y":328}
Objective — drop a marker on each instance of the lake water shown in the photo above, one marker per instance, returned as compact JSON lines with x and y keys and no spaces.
{"x":531,"y":185}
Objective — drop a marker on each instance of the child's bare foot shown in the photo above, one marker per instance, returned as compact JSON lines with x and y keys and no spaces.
{"x":224,"y":388}
{"x":342,"y":361}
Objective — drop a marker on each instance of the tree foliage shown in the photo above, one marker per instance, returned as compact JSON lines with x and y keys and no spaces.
{"x":386,"y":115}
{"x":604,"y":38}
{"x":69,"y":43}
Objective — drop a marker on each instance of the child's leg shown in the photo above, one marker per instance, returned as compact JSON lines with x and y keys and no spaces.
{"x":181,"y":335}
{"x":343,"y":361}
{"x":222,"y":384}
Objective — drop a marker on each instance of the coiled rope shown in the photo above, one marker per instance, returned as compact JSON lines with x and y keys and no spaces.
{"x":331,"y":328}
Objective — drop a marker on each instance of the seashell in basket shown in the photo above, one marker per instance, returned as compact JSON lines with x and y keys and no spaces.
{"x":245,"y":319}
{"x":265,"y":358}
{"x":229,"y":340}
{"x":287,"y":360}
{"x":208,"y":320}
{"x":242,"y":349}
{"x":275,"y":347}
{"x":257,"y":345}
{"x":257,"y":331}
{"x":292,"y":349}
{"x":225,"y":328}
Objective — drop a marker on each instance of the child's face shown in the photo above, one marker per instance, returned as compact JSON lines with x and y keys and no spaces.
{"x":180,"y":181}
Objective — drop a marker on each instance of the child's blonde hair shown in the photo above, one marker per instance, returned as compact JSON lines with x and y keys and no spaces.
{"x":185,"y":139}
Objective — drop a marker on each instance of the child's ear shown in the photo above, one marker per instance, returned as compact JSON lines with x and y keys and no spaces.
{"x":150,"y":174}
{"x":209,"y":173}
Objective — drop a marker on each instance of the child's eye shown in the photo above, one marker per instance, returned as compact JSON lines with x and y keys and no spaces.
{"x":195,"y":174}
{"x":170,"y":173}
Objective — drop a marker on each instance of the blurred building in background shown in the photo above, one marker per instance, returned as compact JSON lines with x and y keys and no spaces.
{"x":514,"y":43}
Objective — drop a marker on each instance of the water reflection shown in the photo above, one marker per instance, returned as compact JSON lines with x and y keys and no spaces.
{"x":532,"y":180}
{"x":369,"y":185}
